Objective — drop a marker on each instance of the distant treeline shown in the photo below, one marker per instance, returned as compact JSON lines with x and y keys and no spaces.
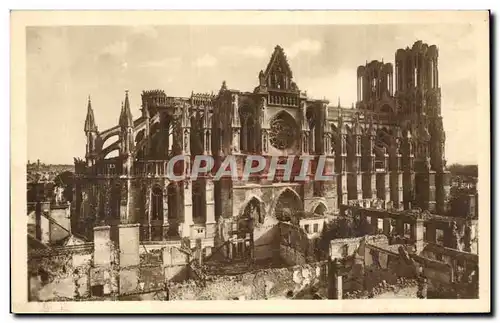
{"x":463,"y":170}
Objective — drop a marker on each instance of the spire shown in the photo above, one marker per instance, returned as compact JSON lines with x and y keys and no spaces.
{"x":90,"y":125}
{"x":339,"y":102}
{"x":125,"y":115}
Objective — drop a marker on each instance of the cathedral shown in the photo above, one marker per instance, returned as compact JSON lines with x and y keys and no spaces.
{"x":388,"y":147}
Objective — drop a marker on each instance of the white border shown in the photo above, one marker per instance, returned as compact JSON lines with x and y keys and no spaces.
{"x":192,"y":4}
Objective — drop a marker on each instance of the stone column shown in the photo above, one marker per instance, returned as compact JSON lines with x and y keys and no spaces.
{"x":124,"y":191}
{"x":397,"y":189}
{"x":383,"y":186}
{"x":102,"y":273}
{"x":236,"y":140}
{"x":369,"y":185}
{"x":235,"y":124}
{"x":102,"y":246}
{"x":165,"y":210}
{"x":147,"y":212}
{"x":343,"y":188}
{"x":188,"y":209}
{"x":417,"y":234}
{"x":210,"y":208}
{"x":359,"y":185}
{"x":128,"y":235}
{"x":44,"y":225}
{"x":334,"y":280}
{"x":338,"y":287}
{"x":408,"y":188}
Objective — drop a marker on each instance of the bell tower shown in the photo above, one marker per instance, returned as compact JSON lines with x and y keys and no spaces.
{"x":375,"y":87}
{"x":419,"y":100}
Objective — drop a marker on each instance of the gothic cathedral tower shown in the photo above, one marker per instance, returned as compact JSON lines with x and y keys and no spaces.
{"x":419,"y":106}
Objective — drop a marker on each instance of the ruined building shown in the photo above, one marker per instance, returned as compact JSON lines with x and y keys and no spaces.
{"x":389,"y":147}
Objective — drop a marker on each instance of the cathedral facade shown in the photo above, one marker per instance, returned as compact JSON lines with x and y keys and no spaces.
{"x":388,"y":147}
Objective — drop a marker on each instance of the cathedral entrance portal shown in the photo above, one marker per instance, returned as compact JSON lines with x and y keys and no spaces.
{"x":288,"y":206}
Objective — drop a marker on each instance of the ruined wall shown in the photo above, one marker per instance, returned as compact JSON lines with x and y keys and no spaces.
{"x":385,"y":267}
{"x":266,"y":238}
{"x":60,"y":230}
{"x":436,"y":272}
{"x":174,"y":264}
{"x":162,"y":262}
{"x":403,"y":288}
{"x":265,"y":233}
{"x":444,"y":281}
{"x":59,"y":274}
{"x":295,"y":247}
{"x":340,"y":248}
{"x":262,"y":284}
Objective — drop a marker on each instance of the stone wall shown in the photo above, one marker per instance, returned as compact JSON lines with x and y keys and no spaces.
{"x":266,"y":239}
{"x":385,"y":266}
{"x":59,"y":274}
{"x":340,"y":248}
{"x":61,"y":230}
{"x":261,"y":284}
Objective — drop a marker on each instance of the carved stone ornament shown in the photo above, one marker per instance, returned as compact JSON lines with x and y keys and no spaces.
{"x":283,"y":133}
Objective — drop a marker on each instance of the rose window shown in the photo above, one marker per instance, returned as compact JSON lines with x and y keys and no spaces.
{"x":283,"y":132}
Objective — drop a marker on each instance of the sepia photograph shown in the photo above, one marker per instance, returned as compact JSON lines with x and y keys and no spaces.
{"x":165,"y":158}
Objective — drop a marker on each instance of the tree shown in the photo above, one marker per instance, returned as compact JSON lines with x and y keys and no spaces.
{"x":463,"y":170}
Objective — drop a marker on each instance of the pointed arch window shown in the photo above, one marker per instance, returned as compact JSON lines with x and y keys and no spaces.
{"x":157,"y":203}
{"x":311,"y":120}
{"x":247,"y":136}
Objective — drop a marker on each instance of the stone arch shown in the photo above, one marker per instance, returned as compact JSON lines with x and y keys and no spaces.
{"x":106,"y":136}
{"x":286,"y":204}
{"x":319,"y":207}
{"x":139,"y":136}
{"x":112,"y":151}
{"x":104,"y":143}
{"x":253,"y":207}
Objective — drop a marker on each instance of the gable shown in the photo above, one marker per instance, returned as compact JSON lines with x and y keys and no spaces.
{"x":278,"y":63}
{"x":278,"y":74}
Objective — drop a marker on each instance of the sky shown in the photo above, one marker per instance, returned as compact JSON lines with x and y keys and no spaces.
{"x":67,"y":64}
